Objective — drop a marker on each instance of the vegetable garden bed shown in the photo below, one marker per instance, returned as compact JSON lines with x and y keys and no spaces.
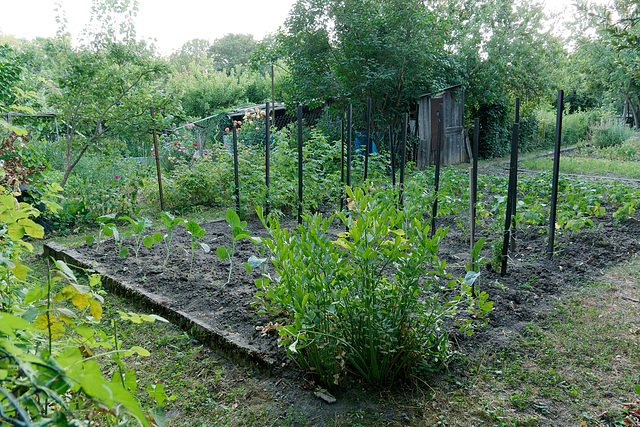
{"x":218,"y":308}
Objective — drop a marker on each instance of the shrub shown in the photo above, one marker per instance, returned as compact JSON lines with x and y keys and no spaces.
{"x":610,"y":134}
{"x":373,"y":301}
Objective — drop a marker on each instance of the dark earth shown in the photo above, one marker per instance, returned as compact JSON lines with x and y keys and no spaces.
{"x":524,"y":294}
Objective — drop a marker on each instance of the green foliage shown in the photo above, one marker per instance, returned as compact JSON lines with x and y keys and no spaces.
{"x":10,"y":71}
{"x":231,"y":51}
{"x":238,"y":232}
{"x":372,"y":301}
{"x":170,"y":222}
{"x":196,"y":232}
{"x":611,"y":134}
{"x":48,"y":340}
{"x":107,"y":227}
{"x":139,"y":226}
{"x":401,"y":57}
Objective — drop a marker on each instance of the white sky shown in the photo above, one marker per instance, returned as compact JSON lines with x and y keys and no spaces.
{"x":170,"y":23}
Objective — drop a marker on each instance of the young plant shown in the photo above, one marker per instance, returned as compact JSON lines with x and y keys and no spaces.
{"x":139,"y":227}
{"x":238,"y":232}
{"x":107,"y":228}
{"x":196,"y":232}
{"x":170,"y":222}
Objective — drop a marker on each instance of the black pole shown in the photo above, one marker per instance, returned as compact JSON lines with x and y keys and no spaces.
{"x":393,"y":156}
{"x":342,"y":163}
{"x":299,"y":164}
{"x":473,"y":196}
{"x":556,"y":175}
{"x":155,"y":150}
{"x":235,"y":167}
{"x":514,"y":176}
{"x":367,"y":143}
{"x":349,"y":117}
{"x":267,"y":145}
{"x":434,"y":211}
{"x":511,"y":195}
{"x":403,"y":160}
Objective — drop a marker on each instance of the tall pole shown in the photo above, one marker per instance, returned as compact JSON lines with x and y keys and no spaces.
{"x":342,"y":162}
{"x":267,"y":152}
{"x":511,"y":194}
{"x":367,"y":140}
{"x":349,"y":143}
{"x":556,"y":175}
{"x":393,"y":157}
{"x":155,"y":150}
{"x":405,"y":124}
{"x":300,"y":164}
{"x":434,"y":211}
{"x":514,"y":176}
{"x":236,"y":174}
{"x":473,"y":196}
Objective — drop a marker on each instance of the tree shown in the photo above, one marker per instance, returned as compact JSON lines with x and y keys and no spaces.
{"x":503,"y":53}
{"x":103,"y":93}
{"x":232,"y":50}
{"x":194,"y":51}
{"x":391,"y":51}
{"x":618,"y":27}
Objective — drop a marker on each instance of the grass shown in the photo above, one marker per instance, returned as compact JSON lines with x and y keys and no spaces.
{"x":586,"y":166}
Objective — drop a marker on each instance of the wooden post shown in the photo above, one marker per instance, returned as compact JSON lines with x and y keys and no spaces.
{"x":155,"y":150}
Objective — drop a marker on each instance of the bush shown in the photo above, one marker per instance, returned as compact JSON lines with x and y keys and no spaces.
{"x":610,"y":134}
{"x":373,"y":301}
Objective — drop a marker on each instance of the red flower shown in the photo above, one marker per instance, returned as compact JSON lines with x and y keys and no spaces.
{"x":153,"y":154}
{"x":195,"y":144}
{"x":194,"y":159}
{"x":175,"y":143}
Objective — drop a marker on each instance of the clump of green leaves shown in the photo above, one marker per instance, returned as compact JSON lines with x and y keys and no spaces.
{"x":107,"y":227}
{"x":238,"y":232}
{"x":373,"y":300}
{"x":196,"y":232}
{"x":170,"y":222}
{"x":139,"y":239}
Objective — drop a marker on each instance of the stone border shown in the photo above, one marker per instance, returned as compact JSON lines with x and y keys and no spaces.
{"x":200,"y":330}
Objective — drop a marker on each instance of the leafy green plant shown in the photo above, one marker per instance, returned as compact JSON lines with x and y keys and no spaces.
{"x":238,"y":232}
{"x":372,"y":301}
{"x":107,"y":227}
{"x":196,"y":232}
{"x":139,"y":239}
{"x":170,"y":222}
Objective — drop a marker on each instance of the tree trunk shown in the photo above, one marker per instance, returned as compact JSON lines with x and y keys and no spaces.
{"x":70,"y":167}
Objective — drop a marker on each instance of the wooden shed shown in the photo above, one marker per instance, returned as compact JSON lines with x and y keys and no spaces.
{"x":454,"y":146}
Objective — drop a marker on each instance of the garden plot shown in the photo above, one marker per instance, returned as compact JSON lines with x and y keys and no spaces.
{"x":219,"y":307}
